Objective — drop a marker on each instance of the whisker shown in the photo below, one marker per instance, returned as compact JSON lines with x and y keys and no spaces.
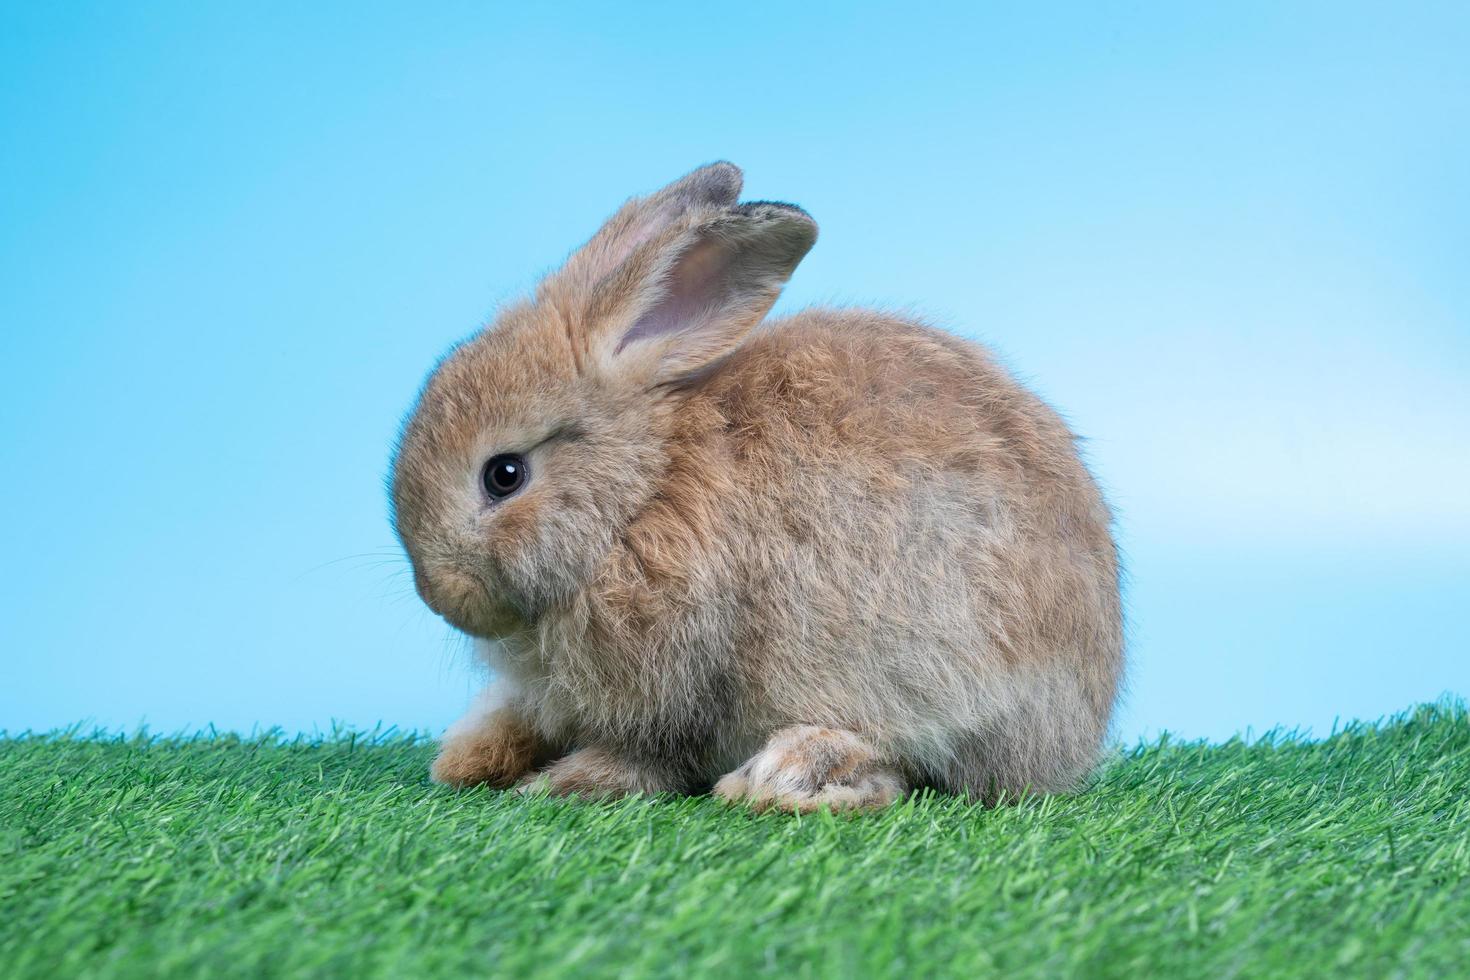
{"x":368,"y":559}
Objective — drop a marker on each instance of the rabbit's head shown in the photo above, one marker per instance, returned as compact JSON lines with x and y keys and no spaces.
{"x":536,"y":441}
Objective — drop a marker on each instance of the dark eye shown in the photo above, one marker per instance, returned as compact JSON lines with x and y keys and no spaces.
{"x":504,"y":475}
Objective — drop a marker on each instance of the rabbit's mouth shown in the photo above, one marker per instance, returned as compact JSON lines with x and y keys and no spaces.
{"x":468,"y":605}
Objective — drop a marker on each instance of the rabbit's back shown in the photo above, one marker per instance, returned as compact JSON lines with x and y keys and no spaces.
{"x":916,"y":545}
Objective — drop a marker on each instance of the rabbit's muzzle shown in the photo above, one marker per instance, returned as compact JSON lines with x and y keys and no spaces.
{"x":466,"y":603}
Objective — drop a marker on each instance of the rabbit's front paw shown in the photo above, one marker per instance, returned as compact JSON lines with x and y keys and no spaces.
{"x":595,"y":774}
{"x":805,"y":768}
{"x":496,"y":753}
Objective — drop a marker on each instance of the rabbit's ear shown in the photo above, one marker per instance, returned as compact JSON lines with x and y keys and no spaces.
{"x":707,"y":287}
{"x":642,"y":219}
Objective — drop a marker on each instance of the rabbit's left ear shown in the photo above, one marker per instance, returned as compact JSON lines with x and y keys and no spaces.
{"x":704,"y":290}
{"x":642,"y":219}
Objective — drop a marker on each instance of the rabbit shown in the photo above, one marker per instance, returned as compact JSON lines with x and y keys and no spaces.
{"x":823,"y":560}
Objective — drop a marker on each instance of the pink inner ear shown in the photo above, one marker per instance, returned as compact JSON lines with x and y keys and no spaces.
{"x":695,"y":283}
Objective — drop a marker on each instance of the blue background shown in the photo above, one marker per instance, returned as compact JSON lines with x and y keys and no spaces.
{"x":1232,"y":246}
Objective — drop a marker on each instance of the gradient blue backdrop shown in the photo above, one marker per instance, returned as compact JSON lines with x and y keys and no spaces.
{"x":1232,"y":246}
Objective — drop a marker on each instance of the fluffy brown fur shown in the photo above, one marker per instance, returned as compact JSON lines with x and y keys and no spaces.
{"x":840,"y":553}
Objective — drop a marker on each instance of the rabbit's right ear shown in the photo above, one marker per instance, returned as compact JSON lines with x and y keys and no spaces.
{"x":642,"y":219}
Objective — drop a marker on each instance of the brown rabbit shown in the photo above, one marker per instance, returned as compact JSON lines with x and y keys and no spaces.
{"x":829,"y":558}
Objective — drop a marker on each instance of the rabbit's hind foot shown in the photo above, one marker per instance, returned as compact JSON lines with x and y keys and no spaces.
{"x":806,"y":768}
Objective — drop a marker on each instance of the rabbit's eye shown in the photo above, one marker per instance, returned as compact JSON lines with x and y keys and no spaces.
{"x":504,"y":475}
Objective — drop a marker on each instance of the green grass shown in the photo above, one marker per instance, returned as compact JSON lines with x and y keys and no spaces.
{"x":223,"y":856}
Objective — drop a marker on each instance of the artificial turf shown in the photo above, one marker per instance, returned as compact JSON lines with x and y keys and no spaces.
{"x":222,"y":856}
